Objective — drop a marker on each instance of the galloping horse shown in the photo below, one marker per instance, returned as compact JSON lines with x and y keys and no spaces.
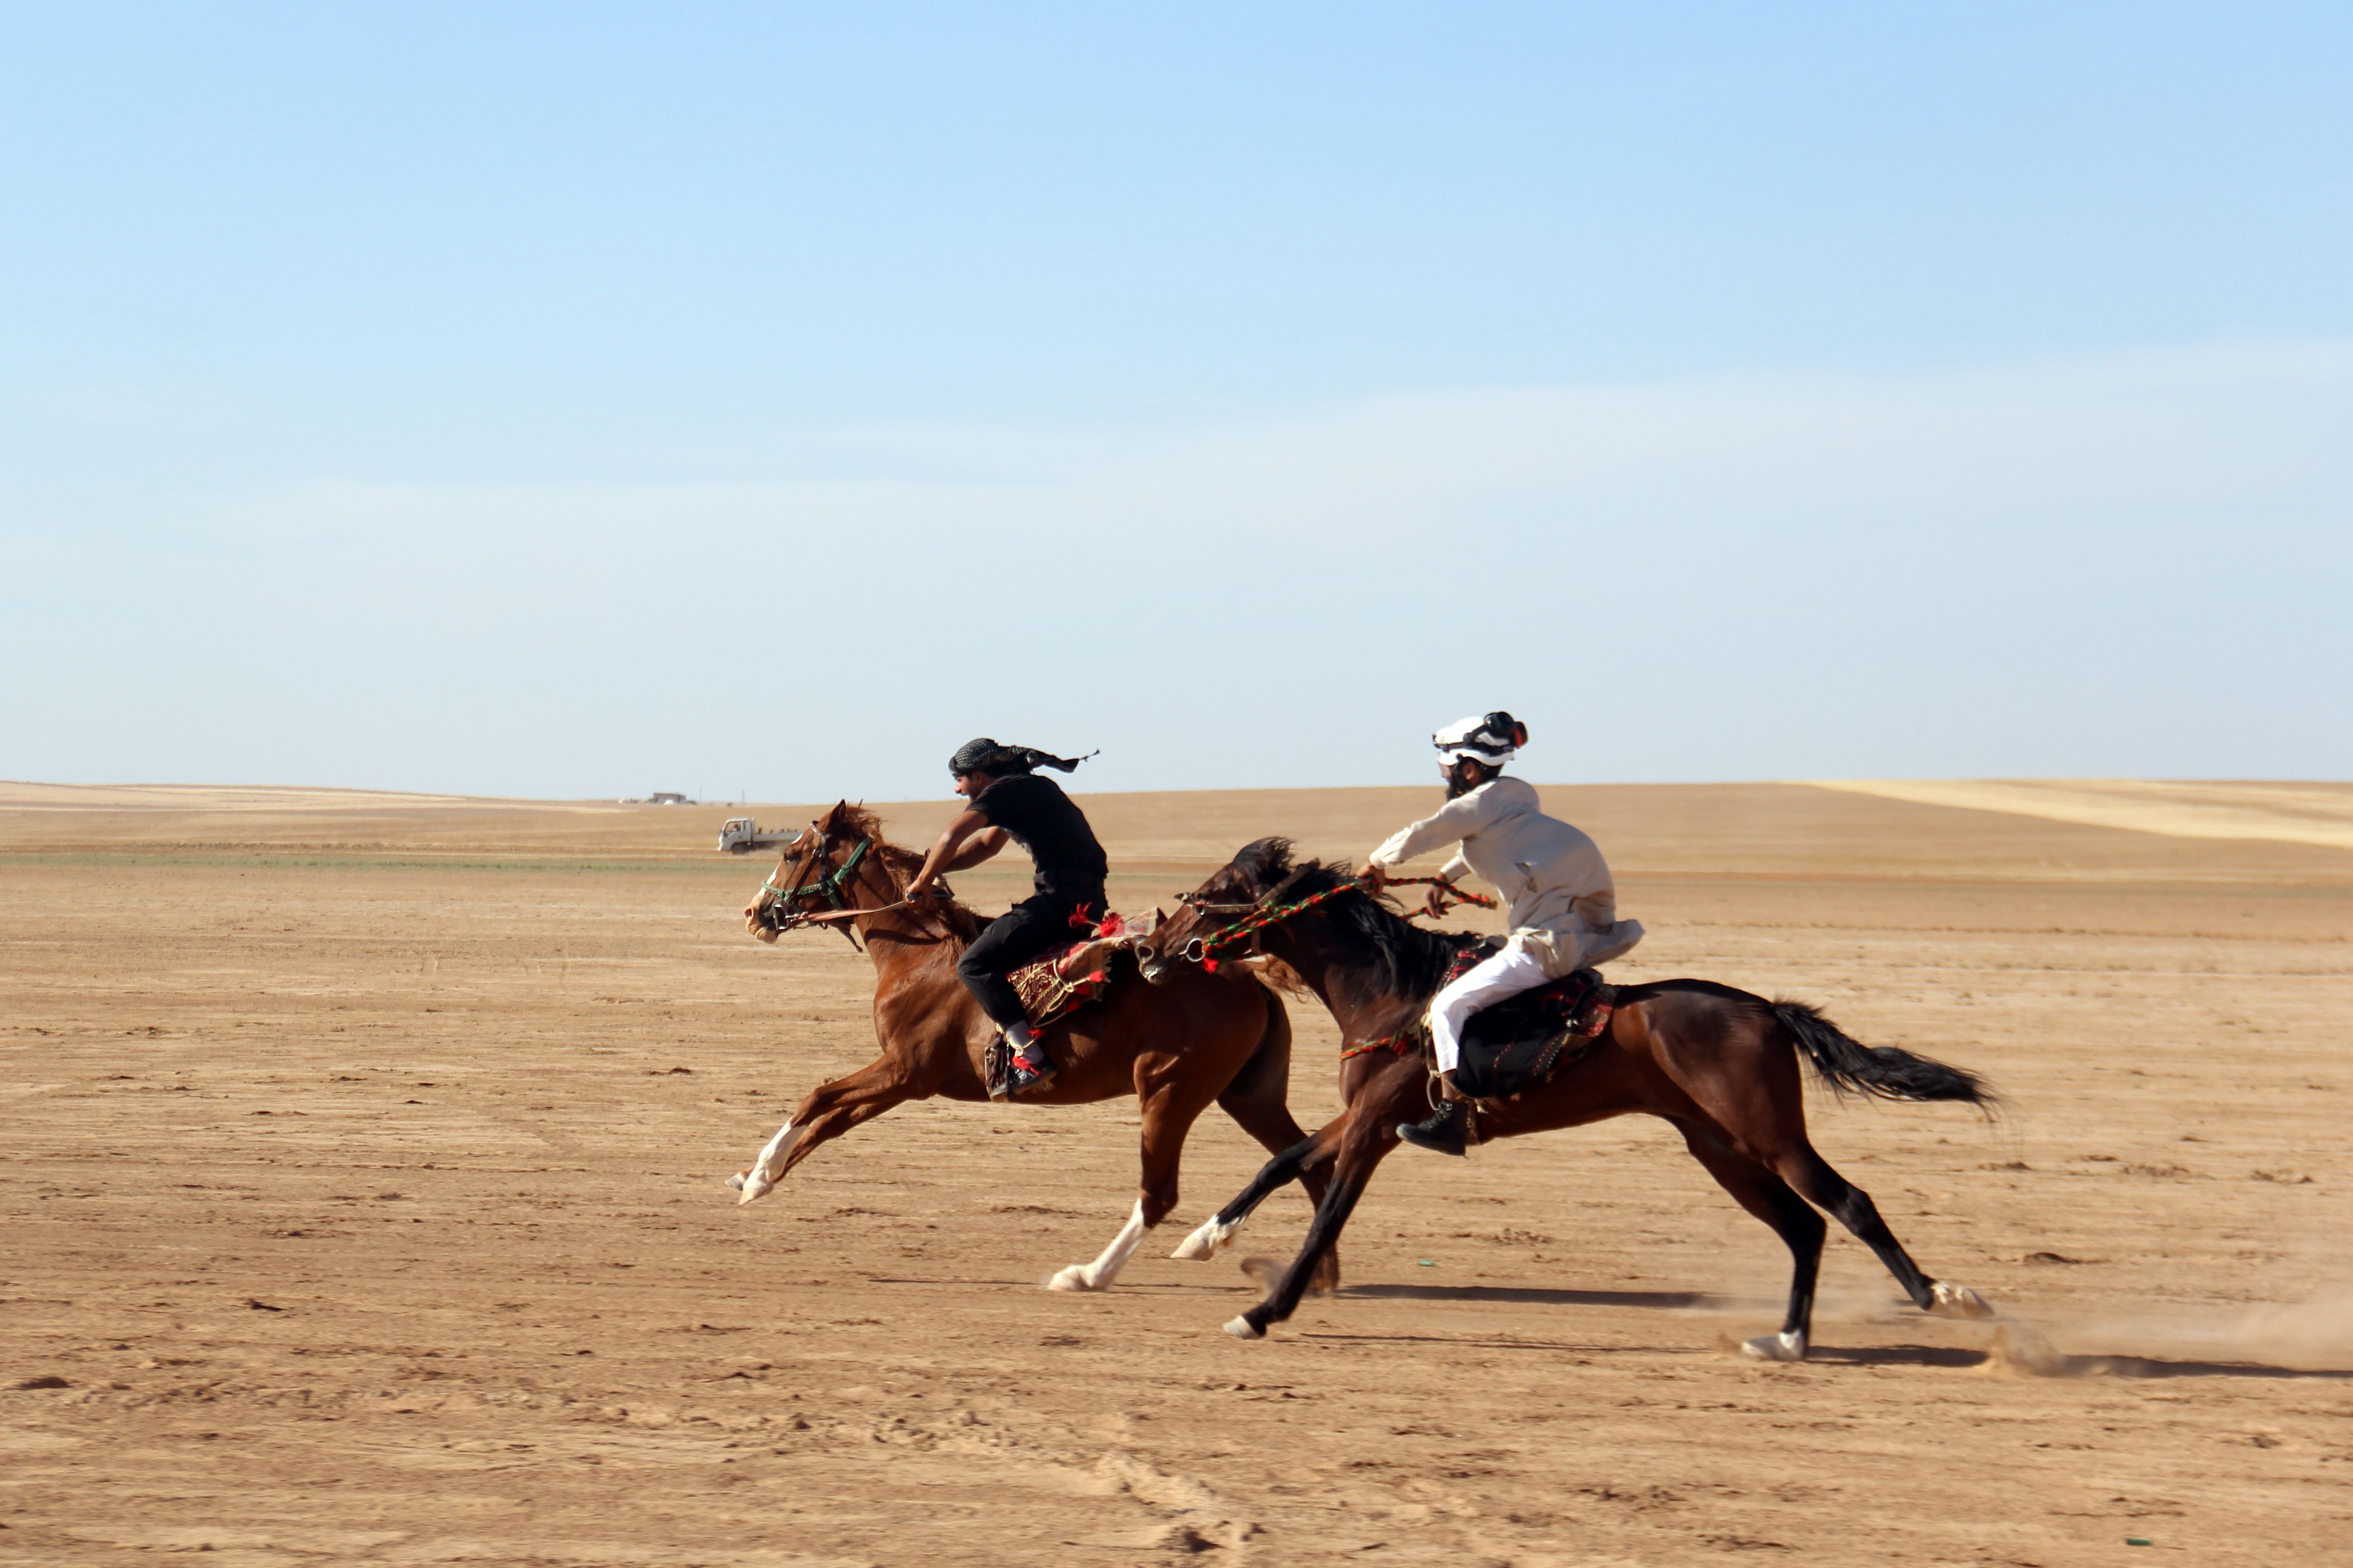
{"x":1174,"y":1047}
{"x":1719,"y":1064}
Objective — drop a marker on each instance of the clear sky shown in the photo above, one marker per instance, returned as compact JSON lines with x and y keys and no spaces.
{"x":581,"y":400}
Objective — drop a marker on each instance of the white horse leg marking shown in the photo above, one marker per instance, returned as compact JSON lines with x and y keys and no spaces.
{"x":1243,"y":1328}
{"x":1788,"y":1346}
{"x":1952,"y":1300}
{"x":1204,"y":1243}
{"x":1099,"y":1274}
{"x":761,"y":1179}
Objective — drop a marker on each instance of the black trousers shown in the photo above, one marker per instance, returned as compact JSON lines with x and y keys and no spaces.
{"x":1022,"y":934}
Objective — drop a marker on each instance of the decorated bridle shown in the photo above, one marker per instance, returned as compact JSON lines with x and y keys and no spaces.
{"x":822,"y":901}
{"x":812,"y":902}
{"x":1269,"y":910}
{"x":827,"y":887}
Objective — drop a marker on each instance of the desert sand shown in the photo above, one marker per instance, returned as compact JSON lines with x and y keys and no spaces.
{"x":363,"y":1204}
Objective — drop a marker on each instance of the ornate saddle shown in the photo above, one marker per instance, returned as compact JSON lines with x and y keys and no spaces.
{"x":1523,"y":1040}
{"x":1055,"y":986}
{"x":1066,"y":978}
{"x":1074,"y":974}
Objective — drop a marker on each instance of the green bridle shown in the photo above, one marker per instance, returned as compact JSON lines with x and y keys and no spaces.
{"x":797,"y":903}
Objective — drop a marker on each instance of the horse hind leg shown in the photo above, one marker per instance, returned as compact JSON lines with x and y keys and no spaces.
{"x":1851,"y":1207}
{"x":1764,"y":1195}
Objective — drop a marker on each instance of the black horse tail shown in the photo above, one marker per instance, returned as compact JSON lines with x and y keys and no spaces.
{"x":1850,"y":1067}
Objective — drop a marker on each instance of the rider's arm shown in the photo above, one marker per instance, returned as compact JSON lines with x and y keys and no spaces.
{"x":951,"y":853}
{"x":978,"y":848}
{"x":1457,"y":819}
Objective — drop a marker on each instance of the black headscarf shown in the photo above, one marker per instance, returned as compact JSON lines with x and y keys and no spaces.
{"x":986,"y":756}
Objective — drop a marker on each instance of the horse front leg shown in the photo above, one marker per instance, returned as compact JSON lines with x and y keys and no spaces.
{"x":1311,"y":1152}
{"x":1266,"y":1118}
{"x":1354,"y":1168}
{"x":831,"y":1110}
{"x":1304,"y":1161}
{"x":1367,"y":1132}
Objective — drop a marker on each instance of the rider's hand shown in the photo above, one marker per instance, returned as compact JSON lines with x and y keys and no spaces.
{"x":1374,"y":876}
{"x":1436,"y":903}
{"x":917,"y":890}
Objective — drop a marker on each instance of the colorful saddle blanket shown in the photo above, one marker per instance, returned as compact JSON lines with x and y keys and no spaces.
{"x":1069,"y":977}
{"x":1065,"y":979}
{"x":1524,"y":1041}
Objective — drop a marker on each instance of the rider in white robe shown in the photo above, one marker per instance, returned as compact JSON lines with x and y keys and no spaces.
{"x":1562,"y":905}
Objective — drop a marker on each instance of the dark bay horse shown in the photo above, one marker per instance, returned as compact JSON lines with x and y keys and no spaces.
{"x":1721,"y":1064}
{"x":1176,"y":1046}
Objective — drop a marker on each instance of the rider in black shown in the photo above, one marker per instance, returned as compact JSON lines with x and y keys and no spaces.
{"x":1010,"y":800}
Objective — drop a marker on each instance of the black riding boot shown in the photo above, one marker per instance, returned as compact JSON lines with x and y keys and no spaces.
{"x":1448,"y":1130}
{"x":1030,"y":1068}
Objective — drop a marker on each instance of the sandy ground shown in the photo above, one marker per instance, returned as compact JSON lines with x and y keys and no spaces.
{"x":360,"y":1204}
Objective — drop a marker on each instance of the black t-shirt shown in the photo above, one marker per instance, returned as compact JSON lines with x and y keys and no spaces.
{"x":1045,"y":822}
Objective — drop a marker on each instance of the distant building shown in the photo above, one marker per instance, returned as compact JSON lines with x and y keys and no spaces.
{"x":659,"y":798}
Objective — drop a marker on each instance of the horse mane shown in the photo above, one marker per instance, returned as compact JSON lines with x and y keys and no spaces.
{"x":900,"y":866}
{"x":1389,"y":955}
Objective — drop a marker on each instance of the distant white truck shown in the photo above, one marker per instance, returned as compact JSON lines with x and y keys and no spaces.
{"x":742,"y":834}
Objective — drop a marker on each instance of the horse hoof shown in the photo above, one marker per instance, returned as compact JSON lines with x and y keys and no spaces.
{"x":1243,"y":1328}
{"x":753,"y":1187}
{"x":736,"y":1181}
{"x":1204,"y":1243}
{"x":1774,"y":1347}
{"x":1950,"y":1300}
{"x":1075,"y":1277}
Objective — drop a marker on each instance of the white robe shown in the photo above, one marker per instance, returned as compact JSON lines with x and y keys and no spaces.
{"x":1563,"y":903}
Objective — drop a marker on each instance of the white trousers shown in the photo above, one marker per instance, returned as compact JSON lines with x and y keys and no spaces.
{"x":1510,"y":972}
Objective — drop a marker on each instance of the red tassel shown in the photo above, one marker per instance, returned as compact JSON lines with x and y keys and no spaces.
{"x":1210,"y":965}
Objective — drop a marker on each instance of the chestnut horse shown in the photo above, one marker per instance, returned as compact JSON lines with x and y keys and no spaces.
{"x":1176,"y":1046}
{"x":1719,"y":1064}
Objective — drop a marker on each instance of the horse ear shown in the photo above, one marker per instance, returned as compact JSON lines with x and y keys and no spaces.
{"x":840,"y":809}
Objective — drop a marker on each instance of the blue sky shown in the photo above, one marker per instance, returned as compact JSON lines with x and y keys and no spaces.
{"x":583,"y":400}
